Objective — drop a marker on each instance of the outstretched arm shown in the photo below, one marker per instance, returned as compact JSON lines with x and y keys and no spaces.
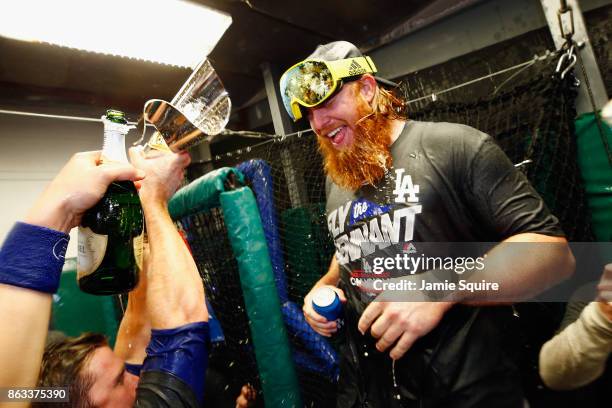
{"x":31,"y":260}
{"x":135,"y":329}
{"x":520,"y":270}
{"x":175,"y":294}
{"x":177,"y":356}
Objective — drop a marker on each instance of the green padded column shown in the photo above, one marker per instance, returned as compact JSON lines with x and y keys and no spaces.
{"x":202,"y":194}
{"x":596,"y":172}
{"x":272,"y":352}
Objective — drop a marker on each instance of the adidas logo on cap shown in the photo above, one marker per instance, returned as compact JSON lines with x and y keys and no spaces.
{"x":356,"y":69}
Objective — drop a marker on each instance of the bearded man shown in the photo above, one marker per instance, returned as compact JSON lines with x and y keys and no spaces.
{"x":394,"y":180}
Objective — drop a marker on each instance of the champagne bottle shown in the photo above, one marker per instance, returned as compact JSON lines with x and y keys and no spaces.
{"x":111,"y":230}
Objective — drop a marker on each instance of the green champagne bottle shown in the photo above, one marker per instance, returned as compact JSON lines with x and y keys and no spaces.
{"x":110,"y":234}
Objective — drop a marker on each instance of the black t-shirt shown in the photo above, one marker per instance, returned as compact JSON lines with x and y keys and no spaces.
{"x":448,"y":183}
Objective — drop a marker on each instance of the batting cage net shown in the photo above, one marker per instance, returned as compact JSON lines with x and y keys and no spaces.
{"x":533,"y":122}
{"x":532,"y":119}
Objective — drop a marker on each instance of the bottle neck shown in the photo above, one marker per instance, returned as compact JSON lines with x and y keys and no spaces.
{"x":113,"y":149}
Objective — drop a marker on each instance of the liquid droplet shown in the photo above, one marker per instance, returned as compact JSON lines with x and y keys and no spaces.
{"x":393,"y":374}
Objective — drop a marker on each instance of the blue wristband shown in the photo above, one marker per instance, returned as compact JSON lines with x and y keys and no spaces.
{"x":32,"y":257}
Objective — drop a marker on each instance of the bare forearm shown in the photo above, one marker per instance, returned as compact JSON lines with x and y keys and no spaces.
{"x":23,"y":329}
{"x":332,"y":277}
{"x":175,"y":295}
{"x":135,"y":329}
{"x":134,"y":334}
{"x":521,"y":270}
{"x":31,"y":260}
{"x":26,"y":312}
{"x":516,"y":269}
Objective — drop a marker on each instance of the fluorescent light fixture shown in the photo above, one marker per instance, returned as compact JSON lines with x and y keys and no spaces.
{"x":174,"y":32}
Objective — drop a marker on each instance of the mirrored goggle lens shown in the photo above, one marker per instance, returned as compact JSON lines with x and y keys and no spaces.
{"x":286,"y":97}
{"x":309,"y":82}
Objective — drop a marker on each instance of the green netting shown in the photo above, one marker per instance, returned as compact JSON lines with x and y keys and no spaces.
{"x":303,"y":233}
{"x":596,"y":172}
{"x":532,"y":121}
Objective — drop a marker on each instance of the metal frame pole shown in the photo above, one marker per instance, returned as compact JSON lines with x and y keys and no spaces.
{"x":562,"y":16}
{"x":283,"y":126}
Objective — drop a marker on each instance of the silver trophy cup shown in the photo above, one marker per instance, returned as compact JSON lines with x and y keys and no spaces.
{"x":199,"y":110}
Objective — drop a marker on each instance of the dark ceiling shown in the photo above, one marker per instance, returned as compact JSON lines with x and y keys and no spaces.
{"x":44,"y":78}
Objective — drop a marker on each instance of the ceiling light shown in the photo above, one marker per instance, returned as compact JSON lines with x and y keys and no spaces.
{"x":174,"y":32}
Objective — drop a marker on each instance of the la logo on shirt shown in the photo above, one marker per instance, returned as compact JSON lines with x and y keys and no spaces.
{"x":405,"y":191}
{"x":362,"y":220}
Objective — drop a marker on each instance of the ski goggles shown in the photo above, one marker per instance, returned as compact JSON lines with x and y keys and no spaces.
{"x":311,"y":82}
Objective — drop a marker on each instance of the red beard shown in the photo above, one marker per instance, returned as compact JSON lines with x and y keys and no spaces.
{"x":368,"y":158}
